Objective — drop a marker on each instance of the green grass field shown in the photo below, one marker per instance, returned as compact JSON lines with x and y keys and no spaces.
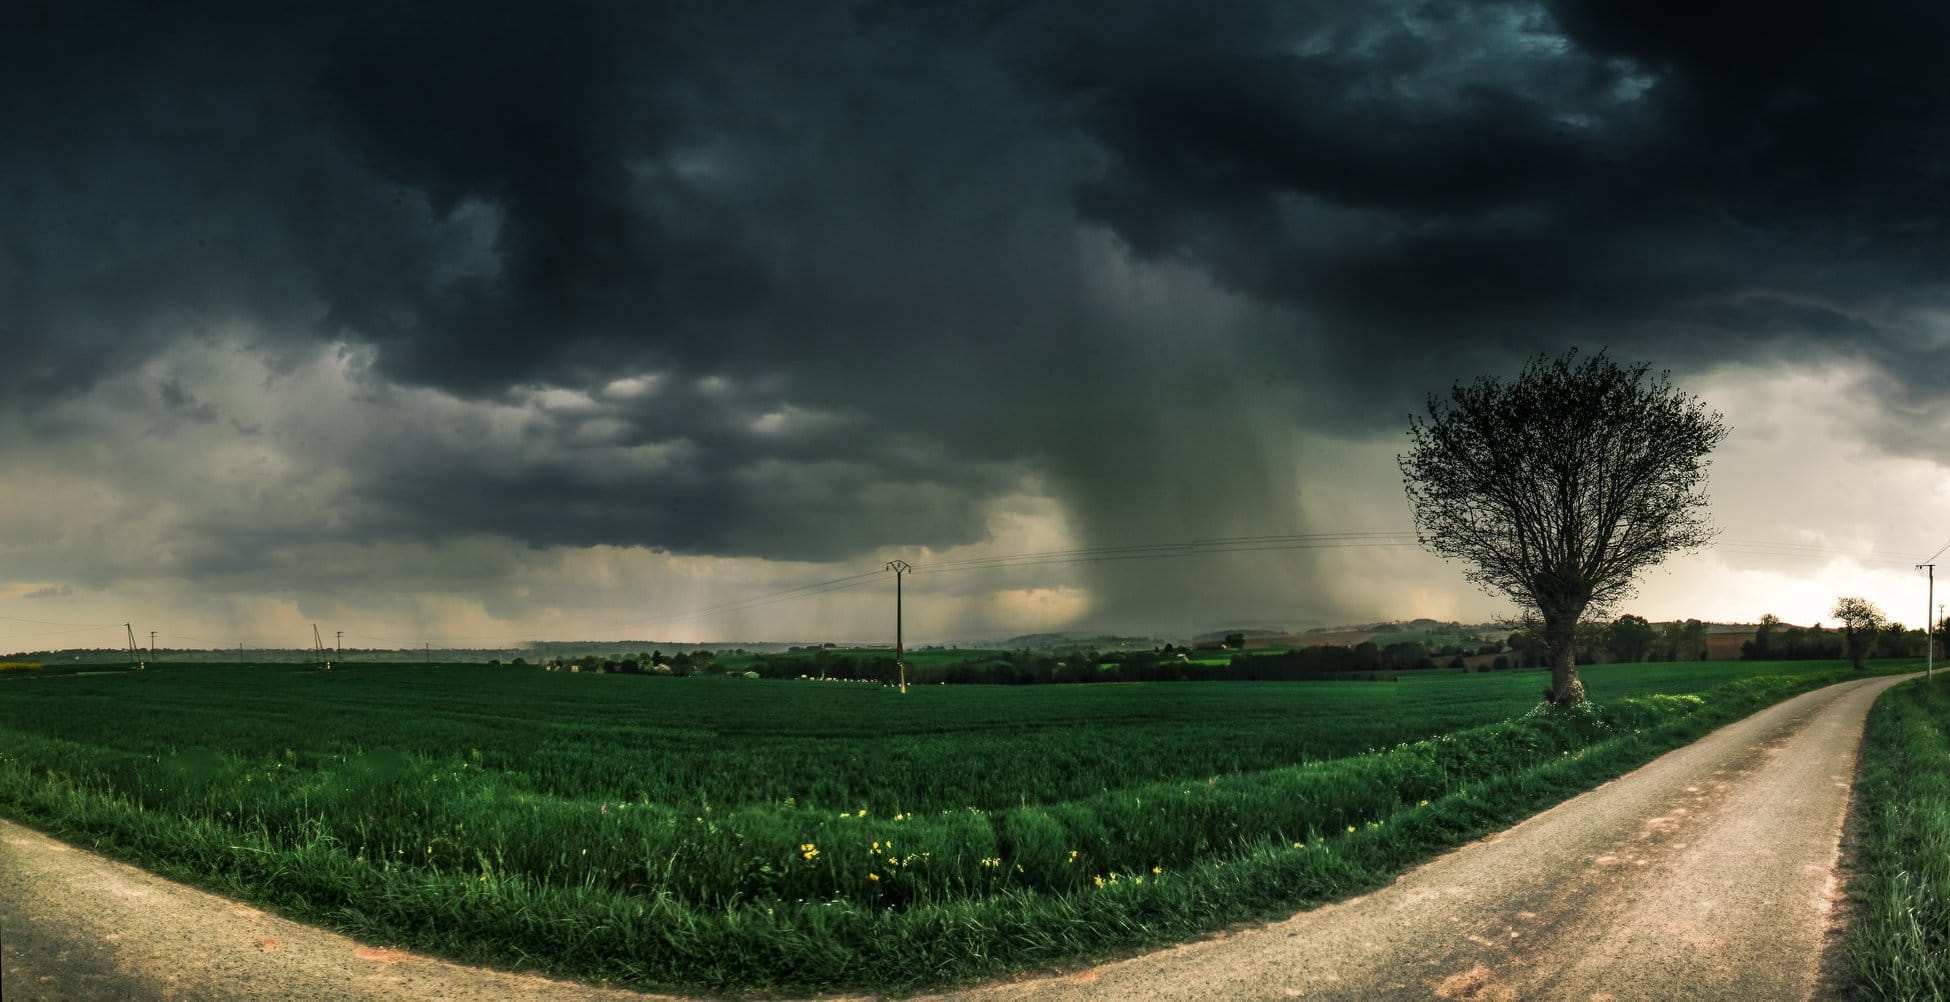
{"x":758,"y":835}
{"x":1899,"y":942}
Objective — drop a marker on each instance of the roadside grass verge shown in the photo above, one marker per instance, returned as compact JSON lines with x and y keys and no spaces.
{"x":1899,"y":941}
{"x":421,"y":851}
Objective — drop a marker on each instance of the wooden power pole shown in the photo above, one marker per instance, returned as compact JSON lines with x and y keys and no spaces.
{"x":900,"y":569}
{"x":1929,"y":632}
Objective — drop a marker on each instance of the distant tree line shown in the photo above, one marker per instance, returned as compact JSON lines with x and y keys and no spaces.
{"x":1628,"y":639}
{"x":1165,"y":664}
{"x":1776,"y":641}
{"x":699,"y":662}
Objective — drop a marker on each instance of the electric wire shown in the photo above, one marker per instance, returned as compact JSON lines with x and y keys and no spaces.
{"x":1356,"y":539}
{"x":54,"y":622}
{"x":57,"y":633}
{"x":214,"y":645}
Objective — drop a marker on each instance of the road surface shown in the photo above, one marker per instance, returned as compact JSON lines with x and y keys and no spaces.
{"x":1707,"y":874}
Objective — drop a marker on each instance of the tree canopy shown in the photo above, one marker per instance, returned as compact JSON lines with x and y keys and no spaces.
{"x":1861,"y":621}
{"x":1630,"y":638}
{"x":1559,"y":486}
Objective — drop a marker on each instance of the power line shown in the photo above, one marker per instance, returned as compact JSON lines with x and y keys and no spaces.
{"x":1360,"y":539}
{"x":752,"y":602}
{"x":1814,"y":551}
{"x":1150,"y":551}
{"x":1141,"y":551}
{"x":213,"y":644}
{"x":398,"y":645}
{"x":53,"y":622}
{"x":1357,"y":539}
{"x":56,"y":633}
{"x":817,"y":588}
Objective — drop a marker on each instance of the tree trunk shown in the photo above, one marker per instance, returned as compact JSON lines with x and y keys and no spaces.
{"x":1560,"y":640}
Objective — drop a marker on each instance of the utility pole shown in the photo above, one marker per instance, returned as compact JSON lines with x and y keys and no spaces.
{"x":318,"y":648}
{"x":900,"y":569}
{"x":152,"y":645}
{"x":341,"y":644}
{"x":130,"y":630}
{"x":1929,"y":634}
{"x":428,"y":645}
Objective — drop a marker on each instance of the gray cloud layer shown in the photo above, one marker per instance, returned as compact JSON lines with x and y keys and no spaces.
{"x":862,"y":267}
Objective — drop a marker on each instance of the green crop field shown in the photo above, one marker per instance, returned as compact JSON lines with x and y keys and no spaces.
{"x":749,"y":834}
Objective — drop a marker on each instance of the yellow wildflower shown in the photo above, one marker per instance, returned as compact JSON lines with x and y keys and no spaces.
{"x":873,"y":876}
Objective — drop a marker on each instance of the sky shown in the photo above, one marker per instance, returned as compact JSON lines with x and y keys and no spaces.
{"x":479,"y":324}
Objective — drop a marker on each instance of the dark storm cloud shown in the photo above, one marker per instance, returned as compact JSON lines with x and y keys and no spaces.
{"x":685,"y":469}
{"x":1682,"y":182}
{"x":522,"y":197}
{"x":558,"y":130}
{"x":890,"y":217}
{"x":137,"y":173}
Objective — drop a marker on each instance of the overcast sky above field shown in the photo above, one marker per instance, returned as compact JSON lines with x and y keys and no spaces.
{"x":484,"y":324}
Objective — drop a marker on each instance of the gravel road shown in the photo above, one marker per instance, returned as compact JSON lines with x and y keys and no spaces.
{"x":1707,"y":874}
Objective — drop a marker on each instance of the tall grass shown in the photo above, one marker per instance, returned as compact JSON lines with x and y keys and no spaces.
{"x":1899,"y":942}
{"x":479,"y":813}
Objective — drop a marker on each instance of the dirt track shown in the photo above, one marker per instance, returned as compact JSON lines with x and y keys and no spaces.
{"x":1708,"y":874}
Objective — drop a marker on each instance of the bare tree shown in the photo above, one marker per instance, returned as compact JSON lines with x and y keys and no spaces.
{"x":1560,"y":486}
{"x":1861,"y":621}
